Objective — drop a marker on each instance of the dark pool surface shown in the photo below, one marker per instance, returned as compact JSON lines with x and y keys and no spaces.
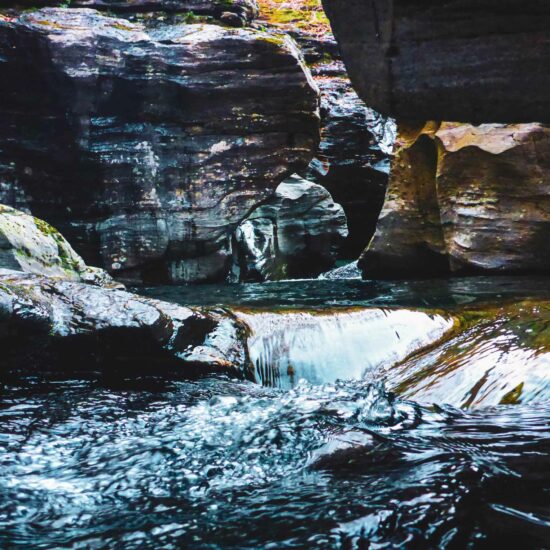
{"x":438,"y":293}
{"x":218,"y":463}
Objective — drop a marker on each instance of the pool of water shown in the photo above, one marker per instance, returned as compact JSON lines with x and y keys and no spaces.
{"x":391,"y":460}
{"x":318,"y":293}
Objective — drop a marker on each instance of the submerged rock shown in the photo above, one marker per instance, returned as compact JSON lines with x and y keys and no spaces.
{"x":501,"y":356}
{"x":351,"y":451}
{"x":69,"y":326}
{"x":465,"y":198}
{"x":146,"y":148}
{"x":482,"y":61}
{"x":297,"y":233}
{"x":32,"y":245}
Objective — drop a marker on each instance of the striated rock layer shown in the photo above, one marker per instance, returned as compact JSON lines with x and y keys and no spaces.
{"x":465,"y":198}
{"x":352,"y":161}
{"x":146,"y":148}
{"x":297,"y":233}
{"x":241,"y":11}
{"x":473,"y":61}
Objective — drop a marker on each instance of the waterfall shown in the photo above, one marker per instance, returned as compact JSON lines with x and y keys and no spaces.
{"x":322,"y":347}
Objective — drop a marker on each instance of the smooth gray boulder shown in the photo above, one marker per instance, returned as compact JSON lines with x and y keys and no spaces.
{"x":297,"y":233}
{"x":47,"y":323}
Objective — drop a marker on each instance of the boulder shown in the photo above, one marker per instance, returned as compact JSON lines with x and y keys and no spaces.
{"x":346,"y":272}
{"x":296,"y":233}
{"x":46,"y":323}
{"x":34,"y":246}
{"x":145,"y":146}
{"x":244,"y":11}
{"x":472,"y":61}
{"x":465,"y":198}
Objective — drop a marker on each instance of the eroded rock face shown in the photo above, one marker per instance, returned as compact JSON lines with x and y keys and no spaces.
{"x":465,"y":198}
{"x":353,"y":159}
{"x":243,"y":11}
{"x":146,"y":148}
{"x":34,"y":246}
{"x":73,"y":326}
{"x":482,"y":61}
{"x":297,"y":233}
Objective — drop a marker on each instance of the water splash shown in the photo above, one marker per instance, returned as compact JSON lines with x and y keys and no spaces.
{"x":217,"y":463}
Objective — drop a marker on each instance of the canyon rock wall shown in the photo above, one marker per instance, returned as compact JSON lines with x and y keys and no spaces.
{"x":470,"y":61}
{"x":465,"y":198}
{"x":147,"y":145}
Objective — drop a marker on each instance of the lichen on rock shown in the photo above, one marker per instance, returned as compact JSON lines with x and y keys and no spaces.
{"x":32,"y":245}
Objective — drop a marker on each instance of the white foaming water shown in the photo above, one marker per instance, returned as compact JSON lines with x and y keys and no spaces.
{"x":347,"y":344}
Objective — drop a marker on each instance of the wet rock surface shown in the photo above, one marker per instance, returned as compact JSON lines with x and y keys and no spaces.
{"x":33,"y":246}
{"x":243,"y":11}
{"x":297,"y":233}
{"x":165,"y":139}
{"x":464,"y":198}
{"x":500,"y":356}
{"x":353,"y":159}
{"x":476,"y":62}
{"x":71,"y":327}
{"x":347,"y":271}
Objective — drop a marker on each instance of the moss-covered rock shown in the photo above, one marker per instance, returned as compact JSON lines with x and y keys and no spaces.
{"x":32,"y":245}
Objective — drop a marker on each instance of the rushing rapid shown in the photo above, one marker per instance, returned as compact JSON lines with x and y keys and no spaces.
{"x":217,"y":463}
{"x":369,"y":449}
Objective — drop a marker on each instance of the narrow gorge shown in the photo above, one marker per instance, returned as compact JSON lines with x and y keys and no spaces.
{"x":274,"y":274}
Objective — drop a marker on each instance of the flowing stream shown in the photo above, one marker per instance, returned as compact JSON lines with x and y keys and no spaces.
{"x":385,"y":415}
